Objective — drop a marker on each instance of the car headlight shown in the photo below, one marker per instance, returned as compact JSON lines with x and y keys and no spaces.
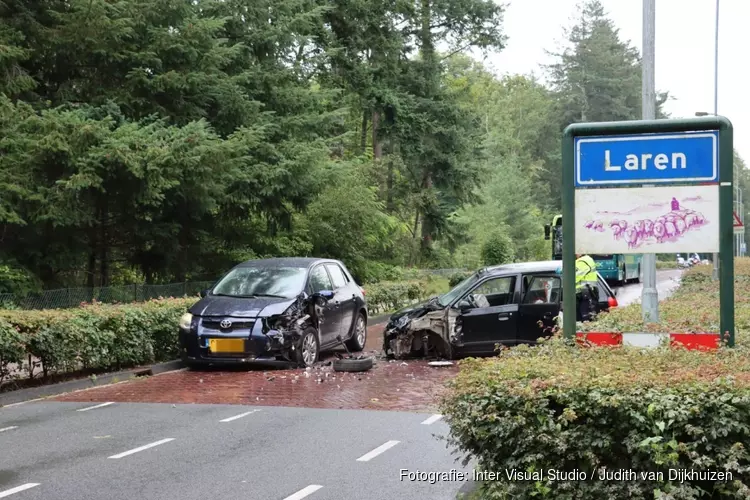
{"x":185,"y":321}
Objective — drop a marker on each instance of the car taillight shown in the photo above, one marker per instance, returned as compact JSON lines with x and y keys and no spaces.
{"x":363,"y":291}
{"x":612,"y":302}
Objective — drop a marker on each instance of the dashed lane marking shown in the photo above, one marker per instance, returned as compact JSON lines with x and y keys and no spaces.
{"x":141,"y":448}
{"x":17,"y":489}
{"x":96,"y":406}
{"x":239,"y":416}
{"x":307,"y":490}
{"x":377,"y":451}
{"x":432,"y":419}
{"x":9,"y":428}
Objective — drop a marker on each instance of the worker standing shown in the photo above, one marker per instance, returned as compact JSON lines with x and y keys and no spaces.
{"x":587,"y":286}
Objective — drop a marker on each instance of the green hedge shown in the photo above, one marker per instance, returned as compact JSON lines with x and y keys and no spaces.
{"x":91,"y":337}
{"x":693,"y":307}
{"x":557,"y":409}
{"x":101,"y":337}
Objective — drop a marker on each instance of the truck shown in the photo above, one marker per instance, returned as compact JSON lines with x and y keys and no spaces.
{"x":615,"y":268}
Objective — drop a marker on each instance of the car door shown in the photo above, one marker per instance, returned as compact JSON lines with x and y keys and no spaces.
{"x":540,"y":305}
{"x":345,"y":297}
{"x":489,"y":315}
{"x":330,"y":320}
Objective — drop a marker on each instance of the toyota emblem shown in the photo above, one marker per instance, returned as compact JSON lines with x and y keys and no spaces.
{"x":225,"y":323}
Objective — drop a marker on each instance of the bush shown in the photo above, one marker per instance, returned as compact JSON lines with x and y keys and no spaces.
{"x":556,"y":409}
{"x":694,"y":307}
{"x":390,"y":296}
{"x":457,"y":278}
{"x":498,"y":249}
{"x":92,"y":337}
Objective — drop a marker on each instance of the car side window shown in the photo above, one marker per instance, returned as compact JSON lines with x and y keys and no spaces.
{"x":494,"y":292}
{"x":542,"y":290}
{"x":319,"y":280}
{"x":337,"y":275}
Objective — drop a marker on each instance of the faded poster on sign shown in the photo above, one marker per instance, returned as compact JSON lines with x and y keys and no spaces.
{"x":673,"y":219}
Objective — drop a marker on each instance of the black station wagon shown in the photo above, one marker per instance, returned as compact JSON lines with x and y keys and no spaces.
{"x":508,"y":304}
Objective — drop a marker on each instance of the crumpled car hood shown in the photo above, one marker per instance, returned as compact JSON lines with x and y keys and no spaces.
{"x":239,"y":307}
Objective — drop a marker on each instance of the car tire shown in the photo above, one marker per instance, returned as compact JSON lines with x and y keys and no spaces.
{"x":352,"y":365}
{"x":308,"y":342}
{"x":359,"y":334}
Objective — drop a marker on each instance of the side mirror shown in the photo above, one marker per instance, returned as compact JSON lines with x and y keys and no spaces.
{"x":547,"y":230}
{"x":463,"y":305}
{"x":326,"y":294}
{"x":203,"y":293}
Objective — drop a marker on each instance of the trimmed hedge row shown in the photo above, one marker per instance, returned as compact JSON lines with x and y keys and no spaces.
{"x":558,"y":412}
{"x":91,"y":337}
{"x":694,"y":307}
{"x":102,"y":337}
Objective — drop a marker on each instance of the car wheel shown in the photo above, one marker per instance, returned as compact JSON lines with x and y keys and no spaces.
{"x":352,"y":365}
{"x":308,"y":348}
{"x":359,"y":334}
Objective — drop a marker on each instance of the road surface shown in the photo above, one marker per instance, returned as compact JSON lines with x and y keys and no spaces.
{"x":666,"y":282}
{"x":89,"y":450}
{"x":121,"y":451}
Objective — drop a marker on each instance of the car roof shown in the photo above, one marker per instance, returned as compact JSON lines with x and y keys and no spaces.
{"x":305,"y":262}
{"x":524,"y":267}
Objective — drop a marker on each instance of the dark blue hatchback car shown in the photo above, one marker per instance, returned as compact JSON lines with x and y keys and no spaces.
{"x":272,"y":311}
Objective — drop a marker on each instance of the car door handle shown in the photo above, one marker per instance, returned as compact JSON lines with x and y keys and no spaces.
{"x":504,"y":316}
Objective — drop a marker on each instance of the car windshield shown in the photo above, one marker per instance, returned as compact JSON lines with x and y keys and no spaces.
{"x":281,"y":282}
{"x":458,"y":291}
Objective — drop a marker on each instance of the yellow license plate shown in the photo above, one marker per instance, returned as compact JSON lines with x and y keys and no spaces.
{"x":226,"y":345}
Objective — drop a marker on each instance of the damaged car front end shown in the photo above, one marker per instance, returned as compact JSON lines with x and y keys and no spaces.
{"x":429,"y":330}
{"x":280,"y":333}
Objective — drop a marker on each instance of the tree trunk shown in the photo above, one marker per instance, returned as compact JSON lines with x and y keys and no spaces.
{"x":103,"y":244}
{"x":377,"y":146}
{"x":363,"y":133}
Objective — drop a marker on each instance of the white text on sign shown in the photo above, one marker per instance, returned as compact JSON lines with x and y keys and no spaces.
{"x":633,"y":162}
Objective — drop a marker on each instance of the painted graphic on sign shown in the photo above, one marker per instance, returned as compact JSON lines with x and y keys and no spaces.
{"x":647,"y":220}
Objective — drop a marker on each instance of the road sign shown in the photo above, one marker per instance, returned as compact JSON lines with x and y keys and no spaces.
{"x":737,"y":221}
{"x":678,"y":157}
{"x":689,"y":154}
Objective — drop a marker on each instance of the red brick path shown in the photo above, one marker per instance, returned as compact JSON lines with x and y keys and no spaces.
{"x":410,"y":386}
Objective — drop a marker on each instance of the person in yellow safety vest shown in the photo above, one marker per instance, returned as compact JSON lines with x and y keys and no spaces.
{"x":587,"y":286}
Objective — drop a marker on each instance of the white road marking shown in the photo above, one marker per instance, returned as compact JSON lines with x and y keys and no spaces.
{"x":307,"y":490}
{"x":377,"y":451}
{"x":141,"y":448}
{"x":95,"y":407}
{"x":17,"y":489}
{"x":9,"y":428}
{"x":238,"y":416}
{"x":432,"y":419}
{"x":21,"y":403}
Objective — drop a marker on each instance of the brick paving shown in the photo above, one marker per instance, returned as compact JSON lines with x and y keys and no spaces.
{"x":401,"y":386}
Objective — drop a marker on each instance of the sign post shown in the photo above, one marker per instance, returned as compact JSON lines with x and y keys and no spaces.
{"x":649,"y":186}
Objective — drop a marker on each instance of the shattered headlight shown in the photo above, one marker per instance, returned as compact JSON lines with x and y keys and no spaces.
{"x":401,"y":322}
{"x":185,"y":321}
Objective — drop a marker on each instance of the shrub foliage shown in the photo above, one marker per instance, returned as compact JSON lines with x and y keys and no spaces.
{"x":556,"y":409}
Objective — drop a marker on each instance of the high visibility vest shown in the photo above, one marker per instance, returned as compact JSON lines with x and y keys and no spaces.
{"x":585,"y":272}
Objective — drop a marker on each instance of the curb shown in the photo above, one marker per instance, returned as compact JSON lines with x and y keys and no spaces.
{"x":46,"y":391}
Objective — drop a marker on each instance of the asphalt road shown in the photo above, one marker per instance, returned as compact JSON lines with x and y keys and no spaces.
{"x":123,"y":451}
{"x":666,"y":282}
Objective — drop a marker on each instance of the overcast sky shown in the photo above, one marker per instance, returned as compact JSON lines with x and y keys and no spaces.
{"x":684,"y":50}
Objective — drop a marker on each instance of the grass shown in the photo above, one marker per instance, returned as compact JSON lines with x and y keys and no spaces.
{"x":693,"y":308}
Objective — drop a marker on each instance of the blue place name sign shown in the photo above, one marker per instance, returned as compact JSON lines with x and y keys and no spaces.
{"x":679,"y":157}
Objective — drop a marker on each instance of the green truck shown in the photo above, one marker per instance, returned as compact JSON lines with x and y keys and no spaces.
{"x":616,"y":268}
